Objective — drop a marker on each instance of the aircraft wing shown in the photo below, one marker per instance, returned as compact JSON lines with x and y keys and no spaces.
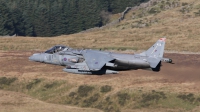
{"x":96,"y":59}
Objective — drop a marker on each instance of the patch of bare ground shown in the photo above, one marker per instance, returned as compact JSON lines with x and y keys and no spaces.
{"x":18,"y":102}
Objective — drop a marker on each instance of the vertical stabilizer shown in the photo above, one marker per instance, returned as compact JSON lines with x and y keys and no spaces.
{"x":157,"y":50}
{"x":155,"y":53}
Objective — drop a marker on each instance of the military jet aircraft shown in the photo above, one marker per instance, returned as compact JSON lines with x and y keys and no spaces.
{"x":90,"y":61}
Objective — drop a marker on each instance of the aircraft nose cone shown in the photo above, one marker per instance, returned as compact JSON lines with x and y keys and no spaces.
{"x":35,"y":57}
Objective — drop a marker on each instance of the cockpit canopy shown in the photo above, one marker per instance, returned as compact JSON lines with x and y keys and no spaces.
{"x":55,"y":49}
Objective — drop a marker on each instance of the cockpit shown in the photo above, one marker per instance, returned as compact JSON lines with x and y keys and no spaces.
{"x":56,"y":49}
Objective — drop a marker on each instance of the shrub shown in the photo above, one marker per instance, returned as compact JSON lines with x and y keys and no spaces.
{"x":7,"y":81}
{"x":48,"y":86}
{"x":106,"y":88}
{"x":94,"y":98}
{"x":72,"y":94}
{"x":198,"y":99}
{"x":197,"y":13}
{"x":122,"y":98}
{"x":154,"y":3}
{"x":184,"y":4}
{"x":153,"y":11}
{"x":107,"y":107}
{"x":31,"y":84}
{"x":83,"y":90}
{"x":107,"y":99}
{"x":91,"y":100}
{"x":190,"y":97}
{"x":162,"y":7}
{"x":152,"y":97}
{"x":100,"y":106}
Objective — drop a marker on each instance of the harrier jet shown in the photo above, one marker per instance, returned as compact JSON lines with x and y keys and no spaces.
{"x":90,"y":61}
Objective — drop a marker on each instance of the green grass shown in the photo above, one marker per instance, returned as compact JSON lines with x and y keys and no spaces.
{"x":105,"y":89}
{"x":50,"y":91}
{"x":6,"y":82}
{"x":33,"y":83}
{"x":173,"y":102}
{"x":84,"y":90}
{"x":123,"y":98}
{"x":94,"y":96}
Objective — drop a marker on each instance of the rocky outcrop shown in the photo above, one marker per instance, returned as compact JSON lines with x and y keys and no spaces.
{"x":146,"y":5}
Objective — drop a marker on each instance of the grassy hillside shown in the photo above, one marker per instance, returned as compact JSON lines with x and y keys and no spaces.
{"x":180,"y":24}
{"x":93,"y":96}
{"x":18,"y":102}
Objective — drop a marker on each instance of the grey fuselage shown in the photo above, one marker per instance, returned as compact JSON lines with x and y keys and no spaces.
{"x":122,"y":61}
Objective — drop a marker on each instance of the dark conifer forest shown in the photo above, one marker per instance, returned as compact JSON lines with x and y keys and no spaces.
{"x":47,"y":18}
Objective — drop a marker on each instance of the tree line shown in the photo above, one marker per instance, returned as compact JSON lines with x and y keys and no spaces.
{"x":56,"y":17}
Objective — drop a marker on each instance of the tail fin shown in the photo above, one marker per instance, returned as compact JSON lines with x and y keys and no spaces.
{"x":155,"y":53}
{"x":157,"y":50}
